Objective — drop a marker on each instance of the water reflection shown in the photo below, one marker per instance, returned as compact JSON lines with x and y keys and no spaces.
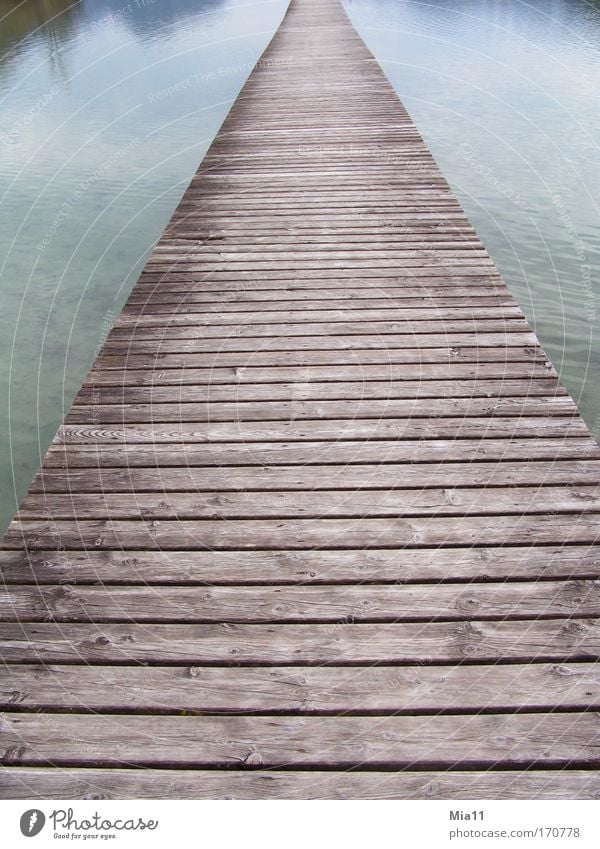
{"x":507,"y":96}
{"x":55,"y":22}
{"x":50,"y":22}
{"x":92,"y":163}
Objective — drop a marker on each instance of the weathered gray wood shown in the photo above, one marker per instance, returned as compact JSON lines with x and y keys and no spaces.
{"x":316,"y":503}
{"x":343,"y":741}
{"x":242,"y":375}
{"x":323,"y":430}
{"x":333,"y":643}
{"x":176,"y":302}
{"x":180,"y":279}
{"x":326,"y":603}
{"x":306,"y":391}
{"x":312,"y":277}
{"x":302,"y":477}
{"x":438,"y":326}
{"x":112,"y":358}
{"x":403,"y":689}
{"x":390,"y":345}
{"x":155,"y":534}
{"x":298,"y":410}
{"x":302,"y":567}
{"x":323,"y":453}
{"x":33,"y":783}
{"x":357,"y":316}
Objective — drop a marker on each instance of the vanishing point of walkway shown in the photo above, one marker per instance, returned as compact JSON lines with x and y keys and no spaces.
{"x":322,"y":521}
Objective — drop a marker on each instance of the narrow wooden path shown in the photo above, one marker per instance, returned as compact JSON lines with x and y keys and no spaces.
{"x":322,"y":521}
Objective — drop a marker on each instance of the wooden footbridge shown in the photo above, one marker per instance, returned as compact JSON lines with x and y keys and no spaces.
{"x":322,"y":521}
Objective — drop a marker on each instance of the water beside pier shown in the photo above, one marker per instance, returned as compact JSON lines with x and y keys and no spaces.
{"x":107,"y":109}
{"x":507,"y":96}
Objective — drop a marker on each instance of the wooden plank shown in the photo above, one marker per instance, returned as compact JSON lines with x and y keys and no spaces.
{"x":298,"y":410}
{"x":315,"y":298}
{"x":302,"y":567}
{"x":357,"y":236}
{"x":305,"y":390}
{"x":325,"y":603}
{"x":178,"y":305}
{"x":277,"y":317}
{"x":343,"y":741}
{"x":543,"y":427}
{"x":69,"y":783}
{"x":317,"y":503}
{"x":238,"y":375}
{"x":345,"y":328}
{"x":324,"y":453}
{"x":155,"y":534}
{"x":264,"y":478}
{"x":120,"y":358}
{"x":308,"y":644}
{"x":307,"y":690}
{"x":393,"y":346}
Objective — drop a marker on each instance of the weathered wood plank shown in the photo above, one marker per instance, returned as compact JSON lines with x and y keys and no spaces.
{"x":301,"y":477}
{"x":68,"y":783}
{"x":118,"y":358}
{"x":355,"y":316}
{"x":313,"y":276}
{"x":164,"y":302}
{"x":316,"y":503}
{"x":155,"y":534}
{"x":343,"y":741}
{"x":415,"y":327}
{"x":404,"y":689}
{"x":399,"y":348}
{"x":325,"y":603}
{"x":245,"y":374}
{"x":334,"y":643}
{"x":298,"y":410}
{"x":323,"y":453}
{"x":155,"y":303}
{"x":306,"y":391}
{"x":301,"y":567}
{"x":324,"y":430}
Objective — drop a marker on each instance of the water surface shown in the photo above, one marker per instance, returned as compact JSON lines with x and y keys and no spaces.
{"x":507,"y":96}
{"x":106,"y":111}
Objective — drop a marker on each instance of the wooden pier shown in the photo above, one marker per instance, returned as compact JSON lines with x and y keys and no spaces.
{"x":322,"y":521}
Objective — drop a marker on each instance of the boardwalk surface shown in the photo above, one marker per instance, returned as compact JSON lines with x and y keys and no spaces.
{"x":322,"y":521}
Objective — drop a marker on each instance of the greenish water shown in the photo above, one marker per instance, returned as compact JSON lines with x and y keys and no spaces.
{"x":106,"y":110}
{"x":507,"y":96}
{"x":108,"y":107}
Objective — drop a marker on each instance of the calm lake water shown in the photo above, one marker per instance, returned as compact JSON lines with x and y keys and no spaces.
{"x":507,"y":96}
{"x":95,"y":154}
